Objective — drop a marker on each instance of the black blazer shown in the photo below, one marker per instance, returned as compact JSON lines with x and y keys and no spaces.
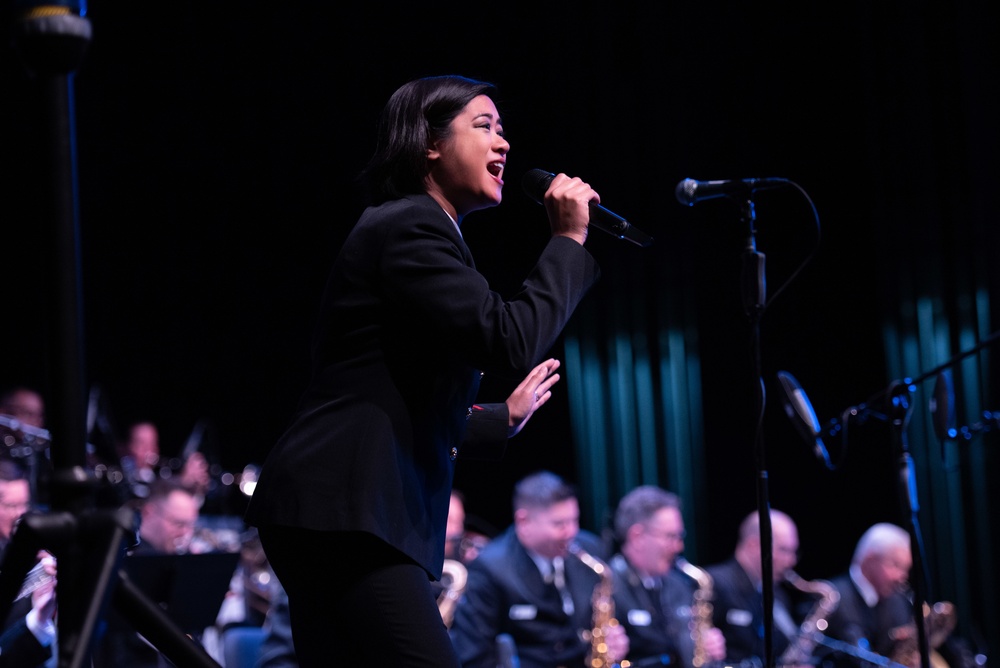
{"x":738,"y":611}
{"x":654,"y":619}
{"x":505,"y":593}
{"x":407,"y":325}
{"x":859,"y":625}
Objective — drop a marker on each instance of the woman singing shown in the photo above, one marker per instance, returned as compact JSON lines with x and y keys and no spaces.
{"x":352,"y":501}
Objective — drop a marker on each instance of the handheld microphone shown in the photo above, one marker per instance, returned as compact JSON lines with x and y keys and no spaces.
{"x":536,"y":181}
{"x":690,"y":192}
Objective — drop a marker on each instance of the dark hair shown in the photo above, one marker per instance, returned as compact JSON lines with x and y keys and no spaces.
{"x":639,"y":506}
{"x":418,"y":113}
{"x":541,"y":490}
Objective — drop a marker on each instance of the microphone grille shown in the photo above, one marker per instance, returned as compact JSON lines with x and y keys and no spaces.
{"x":685,"y":191}
{"x":535,"y":182}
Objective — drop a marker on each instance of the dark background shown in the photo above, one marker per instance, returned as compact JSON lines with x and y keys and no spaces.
{"x":217,"y":144}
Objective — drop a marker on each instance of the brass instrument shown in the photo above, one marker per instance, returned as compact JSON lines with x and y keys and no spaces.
{"x":603,"y":604}
{"x":939,"y":621}
{"x":701,"y":609}
{"x":453,"y":578}
{"x":800,"y":649}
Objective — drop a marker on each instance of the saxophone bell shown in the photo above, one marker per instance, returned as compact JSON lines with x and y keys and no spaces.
{"x":939,"y":621}
{"x":603,"y":605}
{"x":701,"y":609}
{"x":801,"y":647}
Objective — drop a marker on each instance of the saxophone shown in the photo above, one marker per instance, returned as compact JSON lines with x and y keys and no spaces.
{"x":939,"y":622}
{"x":801,"y":647}
{"x":603,"y":604}
{"x":701,"y":609}
{"x":453,"y":577}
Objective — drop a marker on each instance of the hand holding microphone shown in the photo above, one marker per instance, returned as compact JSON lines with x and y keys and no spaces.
{"x":536,"y":183}
{"x":567,"y":205}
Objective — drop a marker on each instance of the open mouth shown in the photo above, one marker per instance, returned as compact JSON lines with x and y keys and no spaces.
{"x":495,"y":168}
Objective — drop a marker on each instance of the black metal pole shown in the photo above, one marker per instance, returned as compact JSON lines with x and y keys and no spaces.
{"x":754,"y":289}
{"x":899,"y":412}
{"x":89,"y":542}
{"x":52,"y":38}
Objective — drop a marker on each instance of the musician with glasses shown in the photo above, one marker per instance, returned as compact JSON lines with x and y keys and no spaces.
{"x":872,"y":592}
{"x":876,"y":610}
{"x":653,"y":598}
{"x":167,"y":521}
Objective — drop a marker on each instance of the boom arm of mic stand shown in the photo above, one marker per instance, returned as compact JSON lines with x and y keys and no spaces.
{"x":990,"y":421}
{"x":913,"y":382}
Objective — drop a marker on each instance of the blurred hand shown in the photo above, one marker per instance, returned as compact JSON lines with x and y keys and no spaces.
{"x":43,"y":599}
{"x":531,"y":394}
{"x":195,"y":473}
{"x":714,"y":643}
{"x":618,"y":642}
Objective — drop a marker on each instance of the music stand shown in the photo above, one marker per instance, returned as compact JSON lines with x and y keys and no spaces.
{"x":189,"y":587}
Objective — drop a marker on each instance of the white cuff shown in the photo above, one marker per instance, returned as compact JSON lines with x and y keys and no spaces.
{"x":45,"y":631}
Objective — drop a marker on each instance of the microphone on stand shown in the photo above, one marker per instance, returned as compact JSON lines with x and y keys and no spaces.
{"x":536,"y":181}
{"x":800,"y":411}
{"x":942,"y":407}
{"x":689,"y":192}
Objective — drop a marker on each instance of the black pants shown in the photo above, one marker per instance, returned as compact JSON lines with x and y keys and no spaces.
{"x":356,"y":601}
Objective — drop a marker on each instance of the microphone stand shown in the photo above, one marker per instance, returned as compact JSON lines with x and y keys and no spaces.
{"x":899,"y":411}
{"x":88,"y":542}
{"x":754,"y":292}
